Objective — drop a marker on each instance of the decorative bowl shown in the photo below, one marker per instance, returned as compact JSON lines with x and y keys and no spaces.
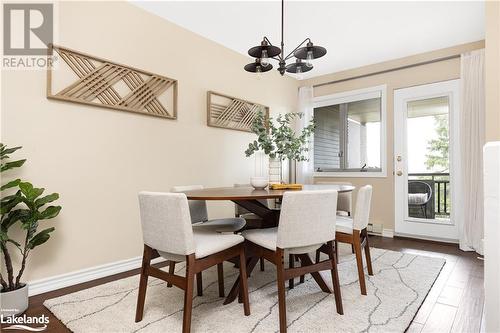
{"x":259,"y":183}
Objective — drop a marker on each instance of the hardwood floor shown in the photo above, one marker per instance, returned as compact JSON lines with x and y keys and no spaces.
{"x":454,"y":304}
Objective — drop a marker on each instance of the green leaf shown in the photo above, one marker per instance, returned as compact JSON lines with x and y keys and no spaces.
{"x":40,"y":238}
{"x":9,"y":202}
{"x":50,"y":212}
{"x":5,"y":151}
{"x":10,"y":165}
{"x":10,"y":184}
{"x":13,"y":217}
{"x":29,"y":191}
{"x":46,"y":199}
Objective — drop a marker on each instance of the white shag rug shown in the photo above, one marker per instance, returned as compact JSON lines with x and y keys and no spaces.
{"x":398,"y":287}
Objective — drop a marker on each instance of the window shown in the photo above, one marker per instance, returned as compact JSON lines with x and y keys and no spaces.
{"x":350,"y":133}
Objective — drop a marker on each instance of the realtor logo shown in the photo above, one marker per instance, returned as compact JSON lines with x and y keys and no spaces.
{"x":28,"y":28}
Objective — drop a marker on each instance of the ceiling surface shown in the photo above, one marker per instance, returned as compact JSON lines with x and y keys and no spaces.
{"x":354,"y":33}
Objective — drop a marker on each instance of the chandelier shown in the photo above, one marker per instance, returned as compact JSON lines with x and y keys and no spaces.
{"x":266,"y":51}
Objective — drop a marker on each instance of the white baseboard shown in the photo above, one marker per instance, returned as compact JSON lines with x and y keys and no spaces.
{"x":388,"y":233}
{"x":88,"y":274}
{"x":435,"y":239}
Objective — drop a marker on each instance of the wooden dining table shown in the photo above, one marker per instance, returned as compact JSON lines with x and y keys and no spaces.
{"x":252,"y":200}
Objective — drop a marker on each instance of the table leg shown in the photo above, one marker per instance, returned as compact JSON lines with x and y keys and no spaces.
{"x":305,"y":260}
{"x":251,"y":263}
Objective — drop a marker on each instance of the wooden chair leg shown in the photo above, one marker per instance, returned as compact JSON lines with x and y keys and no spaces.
{"x":280,"y":268}
{"x":335,"y":279}
{"x":337,"y":250}
{"x":143,"y":283}
{"x":359,"y":261}
{"x":318,"y":253}
{"x":367,"y":254}
{"x":220,"y":277}
{"x":171,"y":270}
{"x":352,"y":248}
{"x":199,"y":284}
{"x":188,"y":294}
{"x":244,"y":283}
{"x":291,"y":261}
{"x":262,"y":264}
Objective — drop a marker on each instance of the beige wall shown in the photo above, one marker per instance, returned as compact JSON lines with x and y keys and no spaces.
{"x":98,"y":159}
{"x":383,"y":199}
{"x":492,"y":127}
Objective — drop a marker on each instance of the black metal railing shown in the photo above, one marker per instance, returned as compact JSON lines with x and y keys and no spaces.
{"x":440,"y":183}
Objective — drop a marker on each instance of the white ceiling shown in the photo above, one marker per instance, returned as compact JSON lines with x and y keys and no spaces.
{"x":354,"y":33}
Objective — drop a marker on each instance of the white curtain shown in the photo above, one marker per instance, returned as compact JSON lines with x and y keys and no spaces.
{"x":304,"y":170}
{"x":469,"y":174}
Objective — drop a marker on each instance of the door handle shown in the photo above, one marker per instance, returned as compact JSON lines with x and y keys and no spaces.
{"x":399,"y":173}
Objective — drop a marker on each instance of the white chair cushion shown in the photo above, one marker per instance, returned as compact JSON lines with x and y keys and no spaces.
{"x":417,"y":198}
{"x":263,"y":237}
{"x":344,"y":224}
{"x":207,"y":243}
{"x":230,"y":224}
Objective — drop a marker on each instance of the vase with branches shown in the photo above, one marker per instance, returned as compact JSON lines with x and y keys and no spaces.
{"x":23,"y":204}
{"x":279,"y":140}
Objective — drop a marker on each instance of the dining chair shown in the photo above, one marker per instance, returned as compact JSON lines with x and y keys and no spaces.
{"x":307,"y":222}
{"x":252,"y":220}
{"x":344,"y":202}
{"x":167,"y":232}
{"x":200,"y":221}
{"x":353,"y":231}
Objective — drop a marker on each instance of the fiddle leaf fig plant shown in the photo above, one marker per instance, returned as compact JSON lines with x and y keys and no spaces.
{"x":27,"y":206}
{"x":280,"y":140}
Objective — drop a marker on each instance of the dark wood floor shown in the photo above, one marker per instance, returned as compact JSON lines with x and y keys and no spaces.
{"x":454,"y":304}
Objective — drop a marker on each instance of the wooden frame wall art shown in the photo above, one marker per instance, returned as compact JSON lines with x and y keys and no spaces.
{"x":100,"y":82}
{"x":232,"y":113}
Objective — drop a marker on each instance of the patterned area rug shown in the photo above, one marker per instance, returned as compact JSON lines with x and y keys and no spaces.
{"x":395,"y":292}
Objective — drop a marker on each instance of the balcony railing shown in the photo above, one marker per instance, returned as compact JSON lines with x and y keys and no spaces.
{"x":441,"y":200}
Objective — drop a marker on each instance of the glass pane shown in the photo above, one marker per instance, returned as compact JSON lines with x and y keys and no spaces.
{"x":327,"y":138}
{"x":428,"y":161}
{"x":363,"y":134}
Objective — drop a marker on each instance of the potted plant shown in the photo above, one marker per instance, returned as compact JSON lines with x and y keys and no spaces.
{"x":279,"y":141}
{"x":23,"y":204}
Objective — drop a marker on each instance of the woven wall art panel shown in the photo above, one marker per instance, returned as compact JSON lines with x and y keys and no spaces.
{"x":95,"y":81}
{"x":232,"y":113}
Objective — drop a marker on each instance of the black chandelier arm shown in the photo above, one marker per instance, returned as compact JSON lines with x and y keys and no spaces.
{"x":295,"y":49}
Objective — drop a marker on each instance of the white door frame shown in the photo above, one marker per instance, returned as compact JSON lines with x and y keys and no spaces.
{"x":404,"y":225}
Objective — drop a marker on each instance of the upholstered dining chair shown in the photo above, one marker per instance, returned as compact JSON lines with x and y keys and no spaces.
{"x":167,"y":232}
{"x":200,"y":221}
{"x":344,"y":202}
{"x":353,"y":231}
{"x":307,"y":222}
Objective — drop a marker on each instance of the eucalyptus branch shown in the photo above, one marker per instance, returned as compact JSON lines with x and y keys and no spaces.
{"x":280,"y":140}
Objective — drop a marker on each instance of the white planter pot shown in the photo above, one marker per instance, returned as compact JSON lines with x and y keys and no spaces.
{"x":14,"y":302}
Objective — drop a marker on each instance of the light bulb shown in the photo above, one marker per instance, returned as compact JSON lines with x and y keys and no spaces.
{"x":309,"y":58}
{"x":299,"y":70}
{"x":258,"y":69}
{"x":264,"y":59}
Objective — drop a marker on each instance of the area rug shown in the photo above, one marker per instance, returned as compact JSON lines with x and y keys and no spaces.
{"x":398,"y":287}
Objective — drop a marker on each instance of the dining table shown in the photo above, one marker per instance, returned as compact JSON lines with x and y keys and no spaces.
{"x":253,"y":200}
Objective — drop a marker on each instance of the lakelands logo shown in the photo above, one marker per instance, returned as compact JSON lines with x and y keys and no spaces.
{"x":22,"y":322}
{"x":28,"y":30}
